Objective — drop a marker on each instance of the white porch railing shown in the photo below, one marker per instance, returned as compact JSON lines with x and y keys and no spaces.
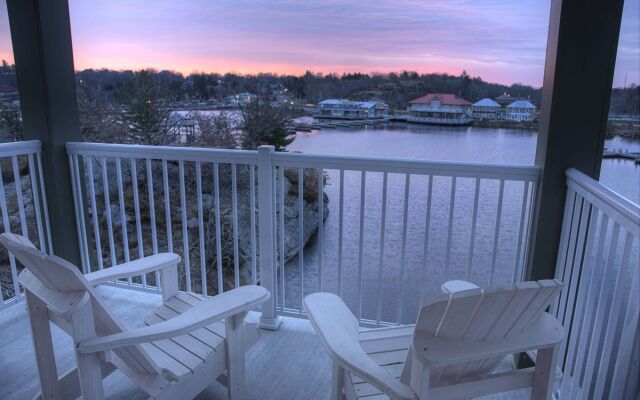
{"x":599,"y":261}
{"x":24,"y":209}
{"x":394,"y":230}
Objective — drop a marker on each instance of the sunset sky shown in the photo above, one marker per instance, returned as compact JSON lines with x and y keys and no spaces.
{"x":499,"y":40}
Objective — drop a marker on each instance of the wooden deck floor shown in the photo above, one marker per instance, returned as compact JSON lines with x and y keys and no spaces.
{"x":287,"y":364}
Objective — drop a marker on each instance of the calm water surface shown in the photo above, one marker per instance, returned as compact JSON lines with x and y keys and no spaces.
{"x":403,"y":286}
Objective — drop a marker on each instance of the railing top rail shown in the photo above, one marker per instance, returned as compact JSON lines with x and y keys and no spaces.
{"x":395,"y":165}
{"x":602,"y":197}
{"x":19,"y":148}
{"x":162,"y":152}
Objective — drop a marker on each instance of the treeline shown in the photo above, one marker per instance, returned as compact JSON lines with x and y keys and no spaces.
{"x":396,"y":89}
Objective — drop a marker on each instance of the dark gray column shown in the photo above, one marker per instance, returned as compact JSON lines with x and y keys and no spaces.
{"x":581,"y":55}
{"x":41,"y":37}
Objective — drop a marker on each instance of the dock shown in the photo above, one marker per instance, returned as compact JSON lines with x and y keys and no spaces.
{"x":625,"y":155}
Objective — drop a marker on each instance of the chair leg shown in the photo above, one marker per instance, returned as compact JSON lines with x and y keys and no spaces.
{"x":43,"y":346}
{"x":419,"y":378}
{"x":235,"y":356}
{"x":544,"y":374}
{"x":89,"y":369}
{"x":337,"y":381}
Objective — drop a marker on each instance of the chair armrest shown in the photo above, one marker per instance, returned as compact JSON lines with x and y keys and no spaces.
{"x":455,"y":286}
{"x":214,"y":309}
{"x":433,"y":350}
{"x":141,"y":266}
{"x":337,"y":328}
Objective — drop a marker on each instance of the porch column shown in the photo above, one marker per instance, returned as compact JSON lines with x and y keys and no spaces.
{"x":41,"y":38}
{"x":580,"y":60}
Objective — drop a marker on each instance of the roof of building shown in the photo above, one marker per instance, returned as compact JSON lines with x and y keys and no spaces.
{"x":521,"y":104}
{"x":354,"y":104}
{"x":486,"y":102}
{"x":508,"y":97}
{"x":448,"y":99}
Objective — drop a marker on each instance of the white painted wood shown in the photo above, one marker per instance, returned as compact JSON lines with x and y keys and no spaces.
{"x":544,"y":374}
{"x":106,"y":193}
{"x":442,"y":362}
{"x":216,"y":195}
{"x":337,"y":381}
{"x":383,"y":223}
{"x":235,"y":350}
{"x":182,"y":343}
{"x":234,"y":221}
{"x":43,"y":347}
{"x":340,"y":230}
{"x":301,"y":235}
{"x":403,"y":247}
{"x":185,"y":228}
{"x":89,"y":371}
{"x":137,"y":267}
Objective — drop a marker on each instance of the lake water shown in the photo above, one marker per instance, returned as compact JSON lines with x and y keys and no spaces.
{"x":403,"y":287}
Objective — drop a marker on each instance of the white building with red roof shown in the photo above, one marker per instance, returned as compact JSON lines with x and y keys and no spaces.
{"x":441,"y":109}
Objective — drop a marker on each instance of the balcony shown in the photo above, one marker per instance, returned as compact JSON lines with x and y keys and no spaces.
{"x":385,"y":236}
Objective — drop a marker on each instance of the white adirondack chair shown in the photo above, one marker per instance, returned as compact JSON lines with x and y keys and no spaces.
{"x":453,"y":349}
{"x":180,"y":350}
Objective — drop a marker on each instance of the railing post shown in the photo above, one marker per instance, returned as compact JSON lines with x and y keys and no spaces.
{"x":266,"y":217}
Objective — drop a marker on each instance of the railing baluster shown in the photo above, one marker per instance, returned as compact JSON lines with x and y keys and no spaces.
{"x":185,"y":228}
{"x":381,"y":254}
{"x":7,"y":229}
{"x":216,"y":195}
{"x":36,"y":202}
{"x":561,"y":264}
{"x":18,"y":186}
{"x":234,"y":221}
{"x":427,"y":226}
{"x":79,"y":211}
{"x":587,"y":315}
{"x":45,"y":206}
{"x":340,"y":231}
{"x":282,"y":233}
{"x":363,"y":177}
{"x":133,"y":169}
{"x":518,"y":265}
{"x":107,"y":206}
{"x":496,"y":235}
{"x":301,"y":233}
{"x":569,"y":259}
{"x":586,"y":278}
{"x":403,"y":251}
{"x":474,"y":220}
{"x":613,"y":313}
{"x":94,"y":210}
{"x":627,"y":338}
{"x":321,"y":226}
{"x":602,"y":312}
{"x":452,"y":202}
{"x":252,"y":206}
{"x":152,"y":216}
{"x":203,"y":269}
{"x":123,"y":214}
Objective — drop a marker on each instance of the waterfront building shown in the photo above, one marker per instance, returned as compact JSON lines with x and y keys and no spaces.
{"x":347,"y":109}
{"x":441,"y":109}
{"x":506,"y":99}
{"x":239,"y":99}
{"x":520,"y":111}
{"x":487,"y":109}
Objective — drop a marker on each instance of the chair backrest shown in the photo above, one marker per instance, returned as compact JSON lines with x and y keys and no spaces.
{"x":484,"y":315}
{"x":50,"y":273}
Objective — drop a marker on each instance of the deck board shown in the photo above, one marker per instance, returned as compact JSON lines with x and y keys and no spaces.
{"x":285,"y":365}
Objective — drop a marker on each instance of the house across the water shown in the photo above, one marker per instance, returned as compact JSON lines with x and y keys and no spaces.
{"x":487,"y":109}
{"x":347,"y":109}
{"x":441,"y":109}
{"x":520,"y":111}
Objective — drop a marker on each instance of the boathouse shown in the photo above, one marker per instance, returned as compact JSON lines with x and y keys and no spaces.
{"x":441,"y":109}
{"x":347,"y":109}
